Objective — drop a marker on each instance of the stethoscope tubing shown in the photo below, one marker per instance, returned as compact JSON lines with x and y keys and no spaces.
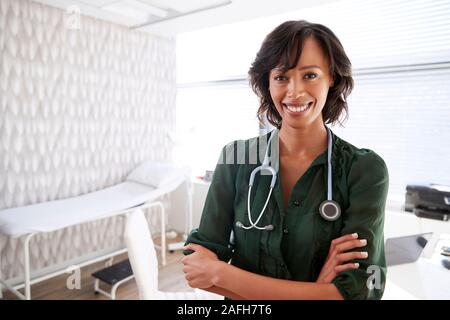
{"x":324,"y":207}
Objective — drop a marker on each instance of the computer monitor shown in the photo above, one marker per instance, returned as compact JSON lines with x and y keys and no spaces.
{"x":405,"y":249}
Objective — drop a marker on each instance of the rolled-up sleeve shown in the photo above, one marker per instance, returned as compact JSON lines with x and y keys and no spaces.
{"x":218,"y":212}
{"x":368,"y":182}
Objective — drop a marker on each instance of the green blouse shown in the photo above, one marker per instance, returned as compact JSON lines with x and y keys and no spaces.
{"x":297,"y":247}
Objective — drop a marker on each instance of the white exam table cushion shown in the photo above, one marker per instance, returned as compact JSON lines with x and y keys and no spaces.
{"x":58,"y":214}
{"x":156,"y":174}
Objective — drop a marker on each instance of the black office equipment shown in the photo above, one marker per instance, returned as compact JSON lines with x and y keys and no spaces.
{"x":428,"y":201}
{"x":405,"y":249}
{"x":446,"y":263}
{"x":445,"y":251}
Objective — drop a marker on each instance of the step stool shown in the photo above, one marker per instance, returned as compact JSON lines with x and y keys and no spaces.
{"x":113,"y":275}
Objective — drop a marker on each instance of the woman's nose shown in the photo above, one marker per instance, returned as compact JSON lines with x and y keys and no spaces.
{"x":296,"y":89}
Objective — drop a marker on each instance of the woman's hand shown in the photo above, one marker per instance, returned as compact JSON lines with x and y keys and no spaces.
{"x":338,"y":258}
{"x":200,"y":267}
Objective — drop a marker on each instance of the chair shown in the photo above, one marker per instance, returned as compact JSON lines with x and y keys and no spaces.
{"x":142,"y":255}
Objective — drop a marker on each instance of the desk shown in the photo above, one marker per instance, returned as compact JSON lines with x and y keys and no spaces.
{"x":426,"y":278}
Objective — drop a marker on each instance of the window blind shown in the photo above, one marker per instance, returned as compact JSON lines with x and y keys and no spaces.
{"x":400,"y":51}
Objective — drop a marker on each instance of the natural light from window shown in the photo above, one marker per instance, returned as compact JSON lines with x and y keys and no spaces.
{"x":400,"y":106}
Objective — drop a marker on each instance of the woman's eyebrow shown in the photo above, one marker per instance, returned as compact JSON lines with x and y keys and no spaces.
{"x":309,"y":67}
{"x":300,"y":68}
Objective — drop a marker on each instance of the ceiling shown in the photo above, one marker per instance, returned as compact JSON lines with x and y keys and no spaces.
{"x":170,"y":17}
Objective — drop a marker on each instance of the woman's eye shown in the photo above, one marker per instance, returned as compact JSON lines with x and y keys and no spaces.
{"x":279,"y":78}
{"x":310,"y":76}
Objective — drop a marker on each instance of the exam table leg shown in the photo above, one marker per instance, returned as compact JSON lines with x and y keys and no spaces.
{"x":163,"y":236}
{"x":26,"y":250}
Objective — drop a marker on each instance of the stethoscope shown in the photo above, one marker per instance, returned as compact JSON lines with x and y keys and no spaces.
{"x":328,"y":209}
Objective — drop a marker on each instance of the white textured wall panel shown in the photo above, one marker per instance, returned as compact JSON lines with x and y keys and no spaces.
{"x":79,"y":109}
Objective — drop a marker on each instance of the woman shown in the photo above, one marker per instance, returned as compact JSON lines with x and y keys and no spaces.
{"x":302,"y":77}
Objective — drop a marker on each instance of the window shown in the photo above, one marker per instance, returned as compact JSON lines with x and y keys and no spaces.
{"x":405,"y":117}
{"x":212,"y":116}
{"x":400,"y":107}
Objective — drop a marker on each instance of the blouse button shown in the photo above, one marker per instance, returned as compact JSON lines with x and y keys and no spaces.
{"x":296,"y":203}
{"x":285,"y":230}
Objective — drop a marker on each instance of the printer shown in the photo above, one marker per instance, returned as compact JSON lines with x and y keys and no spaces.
{"x":428,"y":201}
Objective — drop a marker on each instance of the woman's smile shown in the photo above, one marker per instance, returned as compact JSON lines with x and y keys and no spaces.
{"x":297,"y":109}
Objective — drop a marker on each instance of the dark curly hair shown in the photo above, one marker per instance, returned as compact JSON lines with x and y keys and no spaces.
{"x":283,"y":47}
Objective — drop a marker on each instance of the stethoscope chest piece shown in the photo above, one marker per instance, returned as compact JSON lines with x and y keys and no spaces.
{"x":330,"y":210}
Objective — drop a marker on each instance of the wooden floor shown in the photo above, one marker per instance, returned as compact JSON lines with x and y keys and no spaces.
{"x":171,"y":278}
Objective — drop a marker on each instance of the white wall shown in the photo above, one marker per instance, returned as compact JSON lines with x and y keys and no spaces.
{"x":79,"y":109}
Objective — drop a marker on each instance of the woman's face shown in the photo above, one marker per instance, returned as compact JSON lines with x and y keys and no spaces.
{"x":299,"y":94}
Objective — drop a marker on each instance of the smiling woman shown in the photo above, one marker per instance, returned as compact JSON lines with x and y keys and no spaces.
{"x":302,"y":77}
{"x":324,"y":68}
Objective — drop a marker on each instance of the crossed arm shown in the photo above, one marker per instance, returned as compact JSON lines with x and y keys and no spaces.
{"x":204,"y":270}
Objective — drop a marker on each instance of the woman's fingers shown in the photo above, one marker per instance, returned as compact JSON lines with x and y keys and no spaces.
{"x":343,"y":244}
{"x":344,"y":238}
{"x":338,"y":259}
{"x":344,"y":257}
{"x":192,"y":246}
{"x":339,"y":241}
{"x":196,"y":248}
{"x":339,"y":269}
{"x":344,"y":267}
{"x":352,"y":244}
